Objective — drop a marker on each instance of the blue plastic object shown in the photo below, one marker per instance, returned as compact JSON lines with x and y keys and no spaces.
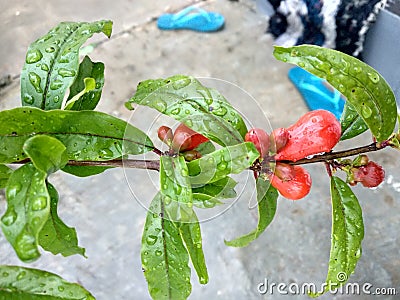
{"x":192,"y":18}
{"x":317,"y":92}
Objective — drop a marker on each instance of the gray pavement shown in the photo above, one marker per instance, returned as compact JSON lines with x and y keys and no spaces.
{"x":108,"y":217}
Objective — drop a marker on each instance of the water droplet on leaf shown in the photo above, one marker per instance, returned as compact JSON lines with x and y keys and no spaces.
{"x":106,"y":153}
{"x":21,"y":275}
{"x":13,"y":190}
{"x":160,"y":105}
{"x":50,"y":49}
{"x":66,"y":73}
{"x":374,"y":77}
{"x":221,"y":111}
{"x":222,"y":165}
{"x":151,"y":240}
{"x":176,"y":111}
{"x":33,"y":56}
{"x":9,"y":217}
{"x":181,"y":83}
{"x":26,"y":247}
{"x":28,"y":99}
{"x":167,"y":200}
{"x":39,"y":203}
{"x":178,"y":189}
{"x":44,"y":67}
{"x":35,"y":81}
{"x":358,"y":253}
{"x":56,"y":84}
{"x":366,"y":111}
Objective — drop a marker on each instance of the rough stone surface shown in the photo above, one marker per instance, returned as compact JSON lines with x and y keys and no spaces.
{"x":107,"y":214}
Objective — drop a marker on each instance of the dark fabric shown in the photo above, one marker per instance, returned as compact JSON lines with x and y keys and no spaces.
{"x":351,"y":21}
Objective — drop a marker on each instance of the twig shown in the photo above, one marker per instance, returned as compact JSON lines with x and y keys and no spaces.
{"x":155,"y":164}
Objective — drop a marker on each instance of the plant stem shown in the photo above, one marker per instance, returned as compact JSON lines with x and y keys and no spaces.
{"x":126,"y":163}
{"x":340,"y":154}
{"x":155,"y":164}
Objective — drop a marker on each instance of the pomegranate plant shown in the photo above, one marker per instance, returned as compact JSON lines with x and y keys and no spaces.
{"x":53,"y":132}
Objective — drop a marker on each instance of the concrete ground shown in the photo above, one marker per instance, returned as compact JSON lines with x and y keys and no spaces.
{"x":109,"y":217}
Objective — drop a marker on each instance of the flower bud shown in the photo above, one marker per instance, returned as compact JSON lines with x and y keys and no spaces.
{"x":370,"y":175}
{"x":165,"y":135}
{"x":260,"y":139}
{"x":278,"y":139}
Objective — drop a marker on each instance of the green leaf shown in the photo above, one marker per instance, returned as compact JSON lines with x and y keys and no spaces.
{"x":351,"y":122}
{"x":205,"y":201}
{"x":87,"y":135}
{"x":219,"y":164}
{"x":89,"y":85}
{"x":55,"y":236}
{"x":223,"y":188}
{"x":164,"y":257}
{"x":209,"y":195}
{"x":267,"y":197}
{"x":87,"y":100}
{"x":46,"y":153}
{"x":19,"y":283}
{"x":51,"y":64}
{"x":28,"y":208}
{"x":205,"y":148}
{"x":191,"y":234}
{"x":364,"y":87}
{"x":347,"y":235}
{"x":84,"y":171}
{"x":5,"y":173}
{"x":203,"y":109}
{"x":176,"y":188}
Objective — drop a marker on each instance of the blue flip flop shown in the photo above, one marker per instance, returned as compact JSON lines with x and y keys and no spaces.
{"x":317,"y":92}
{"x":192,"y":18}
